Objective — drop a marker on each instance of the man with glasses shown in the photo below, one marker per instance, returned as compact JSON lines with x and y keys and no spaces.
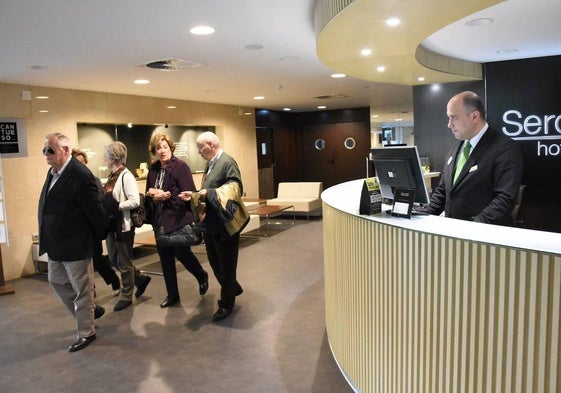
{"x":70,"y":217}
{"x":482,"y":172}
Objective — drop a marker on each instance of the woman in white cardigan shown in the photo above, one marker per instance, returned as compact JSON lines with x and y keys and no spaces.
{"x":121,"y":195}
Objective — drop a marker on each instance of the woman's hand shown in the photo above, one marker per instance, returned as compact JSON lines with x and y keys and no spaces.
{"x":159,"y":195}
{"x":186,"y":195}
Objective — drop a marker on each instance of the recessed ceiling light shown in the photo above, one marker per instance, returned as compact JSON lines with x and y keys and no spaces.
{"x":479,"y":22}
{"x":380,"y":68}
{"x":38,"y":67}
{"x":171,"y":107}
{"x":393,"y":22}
{"x":129,"y":125}
{"x":338,"y":75}
{"x":322,"y":107}
{"x":253,"y":47}
{"x":287,"y":109}
{"x":142,"y":81}
{"x":43,"y":111}
{"x":421,"y":78}
{"x":202,"y":30}
{"x":397,"y":119}
{"x":258,"y":98}
{"x":506,"y":51}
{"x":289,"y":58}
{"x":247,"y":113}
{"x":42,"y":97}
{"x":366,"y":52}
{"x":375,"y":116}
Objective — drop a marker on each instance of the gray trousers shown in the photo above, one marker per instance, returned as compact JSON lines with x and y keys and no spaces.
{"x":73,"y":283}
{"x":119,"y":253}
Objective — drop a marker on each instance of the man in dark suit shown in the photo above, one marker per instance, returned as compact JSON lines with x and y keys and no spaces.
{"x":70,"y":217}
{"x":223,"y":223}
{"x":482,"y":173}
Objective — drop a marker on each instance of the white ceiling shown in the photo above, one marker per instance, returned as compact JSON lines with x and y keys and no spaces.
{"x":101,"y":45}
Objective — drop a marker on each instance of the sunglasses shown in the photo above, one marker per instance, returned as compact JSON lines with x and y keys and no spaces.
{"x":50,"y":150}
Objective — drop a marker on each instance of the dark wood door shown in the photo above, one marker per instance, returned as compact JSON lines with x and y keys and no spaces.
{"x":266,"y":162}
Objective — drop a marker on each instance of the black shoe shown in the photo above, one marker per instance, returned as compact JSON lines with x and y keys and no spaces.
{"x":82,"y":343}
{"x":239,"y":291}
{"x":98,"y":312}
{"x":221,"y":313}
{"x":169,"y":302}
{"x":203,"y":286}
{"x":142,"y":286}
{"x":122,"y":304}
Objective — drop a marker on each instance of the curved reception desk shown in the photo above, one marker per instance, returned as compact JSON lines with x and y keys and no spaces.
{"x":433,"y":304}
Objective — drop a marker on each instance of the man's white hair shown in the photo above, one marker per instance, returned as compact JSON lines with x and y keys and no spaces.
{"x":208,"y":136}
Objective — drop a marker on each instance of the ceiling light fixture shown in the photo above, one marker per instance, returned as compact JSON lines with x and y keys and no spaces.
{"x":202,"y":30}
{"x":258,"y":98}
{"x":366,"y":52}
{"x":289,"y":58}
{"x":43,"y":111}
{"x":287,"y":109}
{"x":338,"y":75}
{"x":141,"y":81}
{"x":171,"y":107}
{"x":322,"y":107}
{"x":421,"y":79}
{"x":374,"y":116}
{"x":479,"y":22}
{"x":129,"y":125}
{"x":381,"y":68}
{"x":393,"y":22}
{"x":42,"y":97}
{"x":506,"y":51}
{"x":253,"y":47}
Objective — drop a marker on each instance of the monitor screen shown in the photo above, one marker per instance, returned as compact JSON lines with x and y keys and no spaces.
{"x":399,"y":167}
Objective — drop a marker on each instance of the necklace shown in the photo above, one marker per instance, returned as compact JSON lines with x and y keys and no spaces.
{"x":160,"y":178}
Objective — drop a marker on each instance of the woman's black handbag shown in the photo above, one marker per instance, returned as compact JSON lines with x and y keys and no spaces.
{"x":185,"y":236}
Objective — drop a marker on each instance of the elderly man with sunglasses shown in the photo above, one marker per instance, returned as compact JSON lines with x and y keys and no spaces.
{"x":70,"y":217}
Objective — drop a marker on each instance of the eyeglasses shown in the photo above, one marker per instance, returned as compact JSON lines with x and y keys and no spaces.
{"x":50,"y":150}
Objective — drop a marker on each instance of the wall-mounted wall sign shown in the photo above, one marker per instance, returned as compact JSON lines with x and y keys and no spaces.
{"x":524,"y":102}
{"x":13,"y":140}
{"x":93,"y":138}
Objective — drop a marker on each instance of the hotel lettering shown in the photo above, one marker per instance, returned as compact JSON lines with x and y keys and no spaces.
{"x":544,"y":129}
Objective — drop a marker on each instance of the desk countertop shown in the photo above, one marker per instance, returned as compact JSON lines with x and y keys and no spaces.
{"x":346,"y":197}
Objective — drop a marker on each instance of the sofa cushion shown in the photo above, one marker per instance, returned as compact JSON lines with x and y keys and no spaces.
{"x":300,"y":189}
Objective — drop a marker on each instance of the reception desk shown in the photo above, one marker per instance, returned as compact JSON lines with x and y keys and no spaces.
{"x":433,"y":304}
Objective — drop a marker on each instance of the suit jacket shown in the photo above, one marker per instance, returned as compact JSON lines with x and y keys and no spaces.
{"x":225,"y":171}
{"x":71,"y":217}
{"x":488,"y":184}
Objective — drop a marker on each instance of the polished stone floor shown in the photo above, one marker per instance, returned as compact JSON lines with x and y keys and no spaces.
{"x":274,"y":342}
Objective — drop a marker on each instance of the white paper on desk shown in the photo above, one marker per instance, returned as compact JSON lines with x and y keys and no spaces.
{"x":400,"y":208}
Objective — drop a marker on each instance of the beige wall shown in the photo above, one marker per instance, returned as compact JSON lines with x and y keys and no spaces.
{"x":24,"y":177}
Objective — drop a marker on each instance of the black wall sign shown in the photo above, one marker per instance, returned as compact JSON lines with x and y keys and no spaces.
{"x":12,"y":138}
{"x":524,"y":101}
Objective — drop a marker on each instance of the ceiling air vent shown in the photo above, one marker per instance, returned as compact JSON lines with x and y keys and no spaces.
{"x":171,"y":64}
{"x":329,"y":96}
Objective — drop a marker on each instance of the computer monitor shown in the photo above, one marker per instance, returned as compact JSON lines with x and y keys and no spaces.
{"x":399,"y":167}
